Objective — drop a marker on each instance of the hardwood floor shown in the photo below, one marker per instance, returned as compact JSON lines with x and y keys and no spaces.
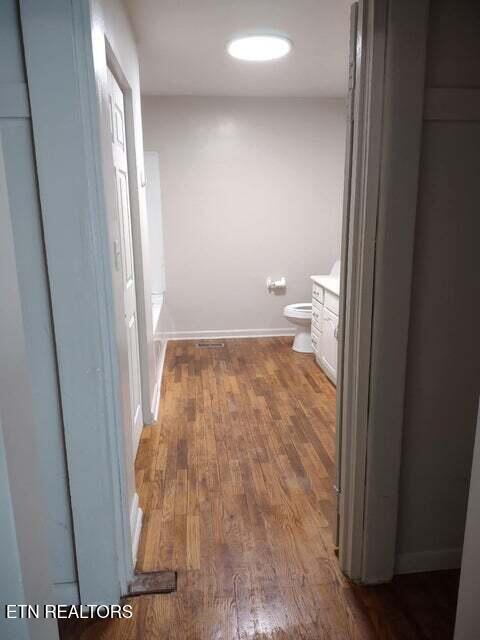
{"x":236,"y":486}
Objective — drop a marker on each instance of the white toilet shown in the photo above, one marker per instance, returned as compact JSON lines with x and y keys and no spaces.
{"x":300,"y":315}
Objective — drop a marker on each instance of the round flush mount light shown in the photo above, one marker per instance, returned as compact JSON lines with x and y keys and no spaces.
{"x":259,"y":48}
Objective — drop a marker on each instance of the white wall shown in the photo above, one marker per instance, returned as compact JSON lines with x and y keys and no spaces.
{"x":251,"y":188}
{"x":155,"y":223}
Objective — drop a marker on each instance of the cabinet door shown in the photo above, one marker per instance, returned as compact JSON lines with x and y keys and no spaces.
{"x":328,"y":352}
{"x":317,"y":311}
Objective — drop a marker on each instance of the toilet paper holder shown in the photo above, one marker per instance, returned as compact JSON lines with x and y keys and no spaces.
{"x":276,"y":285}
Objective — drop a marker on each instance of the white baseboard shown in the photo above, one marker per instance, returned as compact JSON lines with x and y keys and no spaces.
{"x":136,"y":518}
{"x":137,"y":431}
{"x":66,"y":593}
{"x":428,"y":561}
{"x":228,"y":333}
{"x":155,"y":403}
{"x":158,"y":385}
{"x":157,"y":307}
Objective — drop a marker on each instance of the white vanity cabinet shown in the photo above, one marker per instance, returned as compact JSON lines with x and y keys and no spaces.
{"x":327,"y":356}
{"x":325,"y":306}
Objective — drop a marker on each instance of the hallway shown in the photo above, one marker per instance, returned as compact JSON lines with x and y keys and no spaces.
{"x":236,"y":485}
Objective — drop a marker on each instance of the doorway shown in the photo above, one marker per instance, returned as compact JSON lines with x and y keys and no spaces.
{"x":168,"y":455}
{"x":82,"y":369}
{"x":123,"y":259}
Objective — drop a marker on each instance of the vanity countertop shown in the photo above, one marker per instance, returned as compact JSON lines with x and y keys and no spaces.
{"x":331,"y":283}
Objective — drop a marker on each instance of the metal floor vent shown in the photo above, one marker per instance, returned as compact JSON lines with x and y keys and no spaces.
{"x":210,"y":345}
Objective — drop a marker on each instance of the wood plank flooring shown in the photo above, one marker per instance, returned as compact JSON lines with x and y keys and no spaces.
{"x":236,"y":485}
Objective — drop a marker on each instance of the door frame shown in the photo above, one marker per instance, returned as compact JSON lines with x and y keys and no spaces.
{"x":108,"y":60}
{"x":75,"y":219}
{"x":358,"y":280}
{"x":66,"y":133}
{"x":105,"y":56}
{"x":376,"y":298}
{"x":24,"y":553}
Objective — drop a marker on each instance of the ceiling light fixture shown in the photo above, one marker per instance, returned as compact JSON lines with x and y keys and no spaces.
{"x":259,"y":48}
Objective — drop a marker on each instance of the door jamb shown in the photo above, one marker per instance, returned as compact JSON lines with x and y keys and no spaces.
{"x":78,"y":255}
{"x":382,"y":226}
{"x":24,"y":549}
{"x":135,"y":186}
{"x":66,"y":135}
{"x":405,"y":70}
{"x":358,"y":294}
{"x":101,"y":64}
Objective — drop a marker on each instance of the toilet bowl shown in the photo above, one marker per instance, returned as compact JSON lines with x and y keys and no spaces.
{"x":300,"y":315}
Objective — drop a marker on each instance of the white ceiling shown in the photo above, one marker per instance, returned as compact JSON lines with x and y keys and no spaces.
{"x":182,"y":47}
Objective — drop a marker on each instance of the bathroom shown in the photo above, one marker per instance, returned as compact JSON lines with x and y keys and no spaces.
{"x":244,"y":172}
{"x":249,"y":189}
{"x":244,"y":164}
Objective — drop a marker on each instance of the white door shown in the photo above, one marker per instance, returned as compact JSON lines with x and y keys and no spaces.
{"x":123,"y":254}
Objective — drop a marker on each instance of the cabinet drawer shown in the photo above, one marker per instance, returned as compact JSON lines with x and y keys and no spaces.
{"x":315,"y":342}
{"x":331,"y":302}
{"x":317,"y":317}
{"x":317,"y":328}
{"x":317,"y":292}
{"x":316,"y":305}
{"x":316,"y":331}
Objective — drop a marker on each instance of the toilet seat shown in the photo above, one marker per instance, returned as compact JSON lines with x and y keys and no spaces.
{"x":301,"y":310}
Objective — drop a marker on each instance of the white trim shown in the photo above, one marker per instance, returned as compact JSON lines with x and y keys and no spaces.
{"x":401,"y":135}
{"x":388,"y":125}
{"x":344,"y":246}
{"x":155,"y":408}
{"x":71,"y":189}
{"x":158,"y":384}
{"x":158,"y":300}
{"x":227,"y":333}
{"x":422,"y":561}
{"x":358,"y":293}
{"x":136,"y":520}
{"x":138,"y":425}
{"x":66,"y":593}
{"x":142,"y":284}
{"x":24,"y":556}
{"x":14,"y":101}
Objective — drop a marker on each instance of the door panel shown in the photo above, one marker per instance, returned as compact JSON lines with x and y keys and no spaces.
{"x":126,"y":232}
{"x":124,"y":260}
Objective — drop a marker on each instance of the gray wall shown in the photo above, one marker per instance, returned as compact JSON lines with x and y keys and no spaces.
{"x":251,"y":188}
{"x":443,"y":369}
